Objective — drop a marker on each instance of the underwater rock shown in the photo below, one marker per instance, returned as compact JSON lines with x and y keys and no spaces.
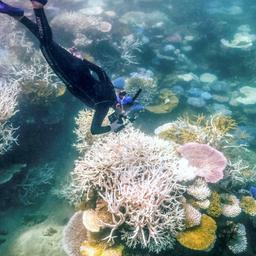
{"x":196,"y":102}
{"x":202,"y":237}
{"x":7,"y":174}
{"x":220,"y":86}
{"x":210,"y":163}
{"x":167,"y":101}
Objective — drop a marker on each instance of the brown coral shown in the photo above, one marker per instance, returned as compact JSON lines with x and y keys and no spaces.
{"x":215,"y":209}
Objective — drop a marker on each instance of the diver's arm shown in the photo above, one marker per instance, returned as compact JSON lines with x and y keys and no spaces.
{"x":101,"y":111}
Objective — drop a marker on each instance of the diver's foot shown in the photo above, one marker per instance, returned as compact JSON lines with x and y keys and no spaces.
{"x":37,"y":4}
{"x":12,"y":11}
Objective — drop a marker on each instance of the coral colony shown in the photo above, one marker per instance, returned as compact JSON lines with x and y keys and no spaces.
{"x":128,"y":196}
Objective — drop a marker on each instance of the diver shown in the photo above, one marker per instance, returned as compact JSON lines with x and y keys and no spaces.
{"x":83,"y":79}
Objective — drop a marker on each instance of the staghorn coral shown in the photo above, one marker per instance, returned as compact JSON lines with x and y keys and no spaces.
{"x":248,"y":205}
{"x":213,"y":130}
{"x":192,"y":216}
{"x":199,"y":189}
{"x":210,"y":163}
{"x":215,"y":209}
{"x":238,"y":242}
{"x":230,"y":205}
{"x":9,"y":91}
{"x":7,"y":137}
{"x":200,"y":238}
{"x":83,"y":131}
{"x":239,"y":174}
{"x":128,"y":46}
{"x":138,"y":185}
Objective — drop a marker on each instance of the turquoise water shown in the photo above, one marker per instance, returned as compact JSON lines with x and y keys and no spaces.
{"x":191,"y":58}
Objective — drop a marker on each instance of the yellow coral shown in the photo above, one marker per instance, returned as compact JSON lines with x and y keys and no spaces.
{"x":215,"y":209}
{"x":223,"y":123}
{"x":248,"y":205}
{"x":114,"y":251}
{"x":200,"y":238}
{"x":92,"y":248}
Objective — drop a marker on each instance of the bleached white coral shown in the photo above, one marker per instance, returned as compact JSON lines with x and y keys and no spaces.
{"x":231,"y":207}
{"x":238,"y":243}
{"x":199,"y":190}
{"x":133,"y":173}
{"x":203,"y":204}
{"x":7,"y":137}
{"x":8,"y":99}
{"x":184,"y":170}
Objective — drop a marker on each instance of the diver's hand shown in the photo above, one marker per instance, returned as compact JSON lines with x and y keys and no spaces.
{"x":116,"y":126}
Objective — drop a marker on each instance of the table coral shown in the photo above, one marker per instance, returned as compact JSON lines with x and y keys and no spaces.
{"x":200,"y":238}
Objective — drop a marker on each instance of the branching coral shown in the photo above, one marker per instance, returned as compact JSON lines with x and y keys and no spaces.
{"x":138,"y":185}
{"x":213,"y":130}
{"x":215,"y":209}
{"x":199,"y":190}
{"x":7,"y":137}
{"x":129,"y":45}
{"x":83,"y":130}
{"x":199,"y":238}
{"x":8,"y":99}
{"x":248,"y":205}
{"x":239,"y":173}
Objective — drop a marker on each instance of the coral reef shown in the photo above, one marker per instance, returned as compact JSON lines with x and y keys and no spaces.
{"x":200,"y":238}
{"x":209,"y":162}
{"x":215,"y":209}
{"x":119,"y":172}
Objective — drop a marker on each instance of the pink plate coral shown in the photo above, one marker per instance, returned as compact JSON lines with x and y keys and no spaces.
{"x":210,"y":163}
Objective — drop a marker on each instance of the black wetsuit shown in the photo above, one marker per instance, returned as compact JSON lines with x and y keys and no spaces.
{"x":97,"y":93}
